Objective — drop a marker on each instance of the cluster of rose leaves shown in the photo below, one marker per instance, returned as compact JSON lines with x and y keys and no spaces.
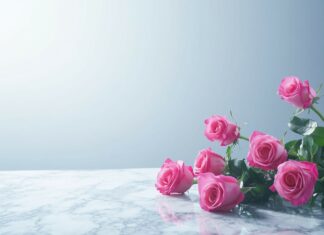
{"x":294,"y":170}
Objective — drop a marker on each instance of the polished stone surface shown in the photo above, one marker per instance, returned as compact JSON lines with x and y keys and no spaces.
{"x":125,"y":202}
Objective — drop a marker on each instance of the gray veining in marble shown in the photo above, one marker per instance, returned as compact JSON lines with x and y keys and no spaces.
{"x":126,"y":202}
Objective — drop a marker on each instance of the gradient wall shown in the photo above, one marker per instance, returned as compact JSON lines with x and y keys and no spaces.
{"x":116,"y":84}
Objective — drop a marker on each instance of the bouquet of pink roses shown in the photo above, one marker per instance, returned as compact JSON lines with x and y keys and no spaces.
{"x":293,"y":170}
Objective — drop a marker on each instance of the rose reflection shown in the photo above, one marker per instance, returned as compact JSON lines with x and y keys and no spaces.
{"x":180,"y":211}
{"x":234,"y":222}
{"x":175,"y":209}
{"x":217,"y":224}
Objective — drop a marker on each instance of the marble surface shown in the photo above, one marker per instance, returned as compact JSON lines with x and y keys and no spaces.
{"x":125,"y":202}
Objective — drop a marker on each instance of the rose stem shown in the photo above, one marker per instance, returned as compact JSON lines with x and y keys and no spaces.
{"x":244,"y":138}
{"x":317,"y":112}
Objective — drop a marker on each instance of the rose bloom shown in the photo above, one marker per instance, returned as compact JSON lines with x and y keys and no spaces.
{"x":296,"y":92}
{"x":295,"y":181}
{"x":209,"y":161}
{"x":220,"y":129}
{"x":218,"y":193}
{"x":265,"y":151}
{"x":174,"y":177}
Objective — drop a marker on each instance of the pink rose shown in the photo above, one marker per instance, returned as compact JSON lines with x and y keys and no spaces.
{"x":294,"y":91}
{"x":208,"y":161}
{"x":220,"y":129}
{"x":265,"y":151}
{"x":174,"y":177}
{"x":295,"y":181}
{"x":218,"y":193}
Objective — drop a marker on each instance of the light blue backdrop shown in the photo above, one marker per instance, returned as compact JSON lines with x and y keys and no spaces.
{"x":115,"y":84}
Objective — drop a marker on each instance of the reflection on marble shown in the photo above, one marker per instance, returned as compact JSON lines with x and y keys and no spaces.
{"x":126,"y":202}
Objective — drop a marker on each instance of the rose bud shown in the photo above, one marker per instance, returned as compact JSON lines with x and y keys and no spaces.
{"x":218,"y":193}
{"x":265,"y":151}
{"x":174,"y":177}
{"x":295,"y":181}
{"x":220,"y":129}
{"x":296,"y":92}
{"x":209,"y":161}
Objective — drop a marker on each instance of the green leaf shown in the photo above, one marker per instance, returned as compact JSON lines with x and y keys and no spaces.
{"x":319,"y":159}
{"x":320,"y":172}
{"x":236,"y":167}
{"x":292,"y":147}
{"x":247,"y":189}
{"x":253,"y":176}
{"x":255,"y":184}
{"x":307,"y":149}
{"x":257,"y":193}
{"x":319,"y":187}
{"x":302,"y":126}
{"x":318,"y":135}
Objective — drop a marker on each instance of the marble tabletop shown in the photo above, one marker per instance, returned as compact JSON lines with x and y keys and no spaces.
{"x":125,"y":202}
